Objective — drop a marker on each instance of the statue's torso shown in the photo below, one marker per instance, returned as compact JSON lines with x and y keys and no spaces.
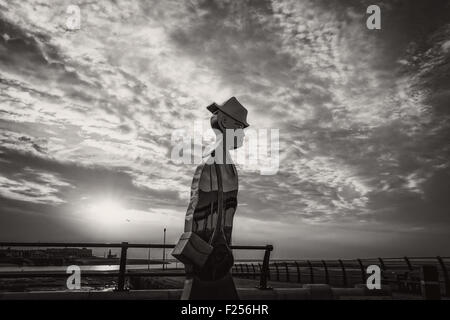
{"x":201,"y":215}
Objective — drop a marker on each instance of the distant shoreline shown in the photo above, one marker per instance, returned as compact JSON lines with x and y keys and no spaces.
{"x":94,"y":261}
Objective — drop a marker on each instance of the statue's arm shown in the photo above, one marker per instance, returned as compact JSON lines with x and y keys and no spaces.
{"x":188,"y":222}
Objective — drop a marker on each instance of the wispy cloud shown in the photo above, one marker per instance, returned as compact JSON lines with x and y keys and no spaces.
{"x":44,"y":187}
{"x":362,"y":115}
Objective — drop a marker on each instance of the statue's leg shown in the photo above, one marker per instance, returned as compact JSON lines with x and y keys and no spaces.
{"x":187,"y":289}
{"x":222,"y":289}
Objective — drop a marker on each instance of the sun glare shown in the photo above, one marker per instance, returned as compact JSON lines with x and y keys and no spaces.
{"x":108,"y":212}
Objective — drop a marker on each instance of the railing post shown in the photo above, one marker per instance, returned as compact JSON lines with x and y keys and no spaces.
{"x":327,"y":276}
{"x":123,"y":267}
{"x":408,"y":286}
{"x":287,"y":272}
{"x":265,"y":268}
{"x":248,"y":270}
{"x":344,"y":274}
{"x":363,"y":272}
{"x":445,"y":274}
{"x":298,"y":271}
{"x":382,"y":265}
{"x":408,"y":263}
{"x":311,"y":271}
{"x":278,"y":271}
{"x":383,"y":270}
{"x":254,"y":271}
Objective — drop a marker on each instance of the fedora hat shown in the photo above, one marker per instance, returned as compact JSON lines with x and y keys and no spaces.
{"x":232,"y":108}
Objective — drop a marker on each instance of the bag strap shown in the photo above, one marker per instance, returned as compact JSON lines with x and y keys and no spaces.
{"x":219,"y":196}
{"x":218,"y":227}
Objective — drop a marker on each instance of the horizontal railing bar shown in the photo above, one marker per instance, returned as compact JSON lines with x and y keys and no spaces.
{"x":400,"y":259}
{"x":155,"y":274}
{"x":160,"y":246}
{"x":176,"y":274}
{"x":251,"y":248}
{"x":105,"y":274}
{"x":82,"y":244}
{"x":110,"y":245}
{"x":54,"y":275}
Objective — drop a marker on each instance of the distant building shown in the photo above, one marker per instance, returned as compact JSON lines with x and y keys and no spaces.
{"x":47,"y":253}
{"x":69,"y":252}
{"x":111,"y":256}
{"x":11,"y":253}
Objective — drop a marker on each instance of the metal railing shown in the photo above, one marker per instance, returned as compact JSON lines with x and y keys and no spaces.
{"x":402,"y":273}
{"x":122,"y":274}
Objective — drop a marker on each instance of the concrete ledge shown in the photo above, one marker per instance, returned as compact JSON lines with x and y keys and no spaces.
{"x":161,"y":294}
{"x":169,"y":294}
{"x":319,"y":291}
{"x":308,"y":292}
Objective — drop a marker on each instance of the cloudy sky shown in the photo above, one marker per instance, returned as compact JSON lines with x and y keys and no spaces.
{"x":86,"y":119}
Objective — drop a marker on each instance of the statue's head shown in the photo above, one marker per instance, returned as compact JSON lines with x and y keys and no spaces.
{"x":234,"y":130}
{"x":230,"y":119}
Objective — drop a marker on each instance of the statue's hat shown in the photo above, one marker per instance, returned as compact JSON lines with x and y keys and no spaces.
{"x":232,"y":108}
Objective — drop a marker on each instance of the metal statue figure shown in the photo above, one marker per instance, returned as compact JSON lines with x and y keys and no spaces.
{"x":205,"y":246}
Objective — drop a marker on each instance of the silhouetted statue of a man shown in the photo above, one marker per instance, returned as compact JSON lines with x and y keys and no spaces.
{"x":205,"y":245}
